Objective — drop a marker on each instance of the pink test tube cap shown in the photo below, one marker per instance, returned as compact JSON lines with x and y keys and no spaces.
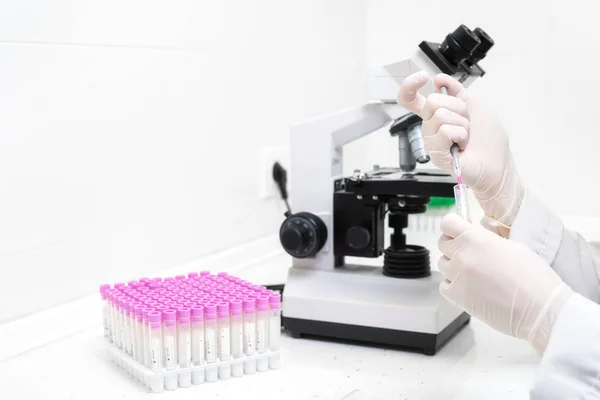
{"x":138,"y":311}
{"x":169,"y":316}
{"x":183,"y":314}
{"x":249,"y":305}
{"x":169,"y":279}
{"x":119,"y":285}
{"x":125,"y":303}
{"x":210,"y":311}
{"x":204,"y":273}
{"x":154,"y":318}
{"x":262,"y":303}
{"x":222,"y":274}
{"x":145,"y":311}
{"x":223,"y":310}
{"x":155,"y":285}
{"x":197,"y":313}
{"x":179,"y":277}
{"x":192,"y":274}
{"x":235,"y":306}
{"x":103,"y":290}
{"x":275,"y":301}
{"x":144,"y":279}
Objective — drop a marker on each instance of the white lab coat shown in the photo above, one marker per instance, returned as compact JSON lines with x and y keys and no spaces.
{"x":570,"y":366}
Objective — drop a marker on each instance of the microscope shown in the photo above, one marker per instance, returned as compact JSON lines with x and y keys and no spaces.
{"x":397,"y":304}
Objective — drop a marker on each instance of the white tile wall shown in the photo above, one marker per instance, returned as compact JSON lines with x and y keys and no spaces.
{"x":130,"y":132}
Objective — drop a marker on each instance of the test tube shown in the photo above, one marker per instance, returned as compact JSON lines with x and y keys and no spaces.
{"x":139,"y":333}
{"x":210,"y":340}
{"x":127,"y":326}
{"x":197,"y":314}
{"x":155,"y":341}
{"x":109,"y":301}
{"x":249,"y":305}
{"x":133,"y":329}
{"x":224,"y":339}
{"x":237,"y":336}
{"x":156,"y":348}
{"x":146,"y":335}
{"x":103,"y":293}
{"x":184,"y":345}
{"x":118,"y":332}
{"x":169,"y":318}
{"x":275,"y":329}
{"x":462,"y":204}
{"x":262,"y":332}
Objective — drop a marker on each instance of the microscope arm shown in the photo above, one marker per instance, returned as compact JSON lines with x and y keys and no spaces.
{"x":317,"y":160}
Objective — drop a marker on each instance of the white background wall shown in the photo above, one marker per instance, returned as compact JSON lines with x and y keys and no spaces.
{"x":131,"y":131}
{"x":541,"y":80}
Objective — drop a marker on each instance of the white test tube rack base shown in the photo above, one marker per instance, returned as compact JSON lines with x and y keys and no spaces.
{"x":157,"y":382}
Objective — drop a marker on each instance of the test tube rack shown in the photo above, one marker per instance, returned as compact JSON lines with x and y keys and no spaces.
{"x":182,"y":331}
{"x":156,"y":382}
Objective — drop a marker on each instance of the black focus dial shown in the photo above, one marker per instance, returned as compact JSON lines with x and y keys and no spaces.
{"x":302,"y":235}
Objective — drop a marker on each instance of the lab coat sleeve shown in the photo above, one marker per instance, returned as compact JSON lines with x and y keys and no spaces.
{"x":570,"y":367}
{"x":575,"y":260}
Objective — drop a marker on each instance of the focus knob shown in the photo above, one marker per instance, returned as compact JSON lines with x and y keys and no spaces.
{"x":302,"y":235}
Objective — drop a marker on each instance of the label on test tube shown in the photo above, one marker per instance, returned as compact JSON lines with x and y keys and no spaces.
{"x":261,"y":340}
{"x":237,"y":339}
{"x":199,"y":345}
{"x":188,"y":346}
{"x":105,"y":317}
{"x":225,"y":343}
{"x":211,"y":355}
{"x":155,"y":353}
{"x":169,"y":351}
{"x":274,"y":329}
{"x":250,"y":337}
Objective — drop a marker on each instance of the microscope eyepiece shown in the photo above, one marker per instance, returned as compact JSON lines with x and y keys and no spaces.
{"x":481,"y":51}
{"x":459,"y":45}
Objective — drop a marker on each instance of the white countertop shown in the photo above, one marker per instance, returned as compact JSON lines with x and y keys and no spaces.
{"x":476,"y":364}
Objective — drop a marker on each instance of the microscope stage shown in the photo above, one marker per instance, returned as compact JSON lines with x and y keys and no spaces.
{"x":391,"y":181}
{"x":359,"y":303}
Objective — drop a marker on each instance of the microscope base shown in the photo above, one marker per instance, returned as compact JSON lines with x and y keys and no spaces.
{"x":359,"y":303}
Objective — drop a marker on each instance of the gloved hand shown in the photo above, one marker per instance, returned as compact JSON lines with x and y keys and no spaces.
{"x":486,"y":162}
{"x":500,"y":282}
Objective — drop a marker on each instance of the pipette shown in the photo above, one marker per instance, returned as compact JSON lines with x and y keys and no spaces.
{"x":460,"y":189}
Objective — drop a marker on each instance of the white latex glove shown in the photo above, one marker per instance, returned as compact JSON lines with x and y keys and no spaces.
{"x":485,"y":159}
{"x":500,"y":282}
